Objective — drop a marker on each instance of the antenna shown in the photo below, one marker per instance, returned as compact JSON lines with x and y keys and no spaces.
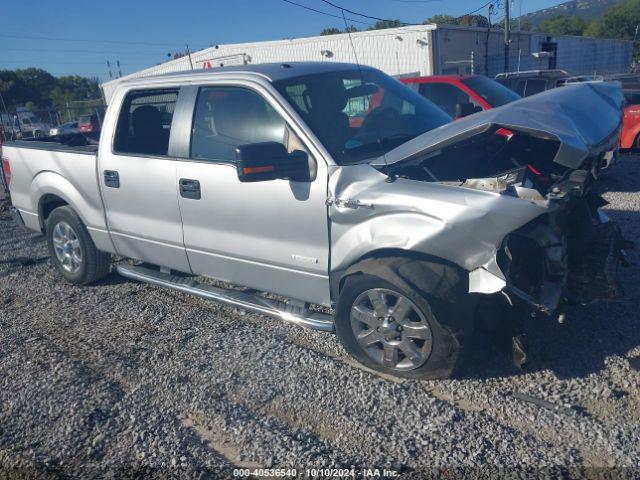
{"x":119,"y":69}
{"x":109,"y":67}
{"x":355,"y":54}
{"x":353,"y":47}
{"x":189,"y":55}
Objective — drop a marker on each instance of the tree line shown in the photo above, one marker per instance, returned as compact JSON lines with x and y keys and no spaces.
{"x":37,"y":88}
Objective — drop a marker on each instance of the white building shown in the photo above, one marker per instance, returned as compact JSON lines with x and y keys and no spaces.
{"x":415,"y":50}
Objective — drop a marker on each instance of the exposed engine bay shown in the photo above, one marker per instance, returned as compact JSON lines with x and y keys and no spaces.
{"x":570,"y":255}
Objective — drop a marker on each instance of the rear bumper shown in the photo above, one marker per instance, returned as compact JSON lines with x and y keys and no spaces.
{"x":17,"y":218}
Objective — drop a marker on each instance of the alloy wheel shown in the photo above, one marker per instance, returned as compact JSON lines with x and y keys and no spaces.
{"x":391,"y":329}
{"x":67,"y":247}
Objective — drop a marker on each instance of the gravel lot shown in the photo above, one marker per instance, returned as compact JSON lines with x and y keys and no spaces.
{"x":126,"y":379}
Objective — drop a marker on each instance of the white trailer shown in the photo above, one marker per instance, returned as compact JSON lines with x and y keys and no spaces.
{"x":396,"y":51}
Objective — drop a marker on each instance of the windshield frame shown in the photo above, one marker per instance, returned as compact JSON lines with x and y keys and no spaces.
{"x":388,"y":86}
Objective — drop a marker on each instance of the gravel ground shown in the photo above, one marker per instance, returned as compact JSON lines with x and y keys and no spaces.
{"x":124,"y":379}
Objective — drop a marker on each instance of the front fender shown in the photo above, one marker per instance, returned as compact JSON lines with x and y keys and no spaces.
{"x":462,"y":226}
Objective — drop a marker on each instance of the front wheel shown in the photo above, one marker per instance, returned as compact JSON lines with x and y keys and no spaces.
{"x":393,"y":330}
{"x":72,"y":249}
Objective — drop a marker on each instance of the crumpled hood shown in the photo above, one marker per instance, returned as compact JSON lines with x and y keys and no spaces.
{"x":585,"y":118}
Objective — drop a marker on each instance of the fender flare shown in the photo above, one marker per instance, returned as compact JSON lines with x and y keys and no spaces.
{"x":51,"y":183}
{"x":443,"y":284}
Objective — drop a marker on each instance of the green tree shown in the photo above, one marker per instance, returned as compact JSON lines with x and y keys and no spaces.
{"x":563,"y":25}
{"x":382,"y":24}
{"x":330,"y":31}
{"x":621,"y":20}
{"x":40,"y":89}
{"x":473,"y":21}
{"x":592,"y":30}
{"x":442,"y":20}
{"x":38,"y":84}
{"x":526,"y":26}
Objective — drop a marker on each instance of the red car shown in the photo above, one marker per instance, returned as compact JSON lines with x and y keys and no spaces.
{"x":461,"y":95}
{"x":89,"y":123}
{"x":630,"y":136}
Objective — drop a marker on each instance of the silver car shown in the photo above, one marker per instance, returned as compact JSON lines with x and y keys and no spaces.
{"x":68,"y":128}
{"x":331,"y":185}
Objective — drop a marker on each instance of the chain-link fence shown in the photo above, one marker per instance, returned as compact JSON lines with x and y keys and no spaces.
{"x":78,"y":117}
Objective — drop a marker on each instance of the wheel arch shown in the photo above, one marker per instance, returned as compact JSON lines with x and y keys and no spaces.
{"x":362,"y":265}
{"x":47,"y":204}
{"x":50,"y":190}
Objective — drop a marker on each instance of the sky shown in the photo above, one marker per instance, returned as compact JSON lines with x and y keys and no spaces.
{"x":78,"y":38}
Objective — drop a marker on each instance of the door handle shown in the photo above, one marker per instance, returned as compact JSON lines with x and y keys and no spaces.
{"x":112,"y":179}
{"x":189,"y":188}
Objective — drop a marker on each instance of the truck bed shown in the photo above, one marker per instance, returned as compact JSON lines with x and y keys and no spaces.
{"x":46,"y":172}
{"x":76,"y":143}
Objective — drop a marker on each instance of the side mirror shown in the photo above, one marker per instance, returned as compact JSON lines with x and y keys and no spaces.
{"x":259,"y":162}
{"x":465,"y":109}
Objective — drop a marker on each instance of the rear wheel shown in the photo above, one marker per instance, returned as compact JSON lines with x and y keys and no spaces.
{"x":72,"y":250}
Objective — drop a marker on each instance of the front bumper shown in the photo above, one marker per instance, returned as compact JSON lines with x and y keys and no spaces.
{"x":576,"y":261}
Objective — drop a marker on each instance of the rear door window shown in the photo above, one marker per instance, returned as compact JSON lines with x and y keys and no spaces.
{"x":227,"y":117}
{"x":144,"y":124}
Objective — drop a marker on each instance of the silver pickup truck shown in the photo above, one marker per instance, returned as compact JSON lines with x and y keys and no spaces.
{"x":323,"y":187}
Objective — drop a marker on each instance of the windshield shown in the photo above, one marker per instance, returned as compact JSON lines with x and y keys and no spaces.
{"x":493,"y":92}
{"x":360,"y":115}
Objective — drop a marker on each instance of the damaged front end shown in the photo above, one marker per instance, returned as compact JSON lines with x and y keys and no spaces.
{"x":569,"y":256}
{"x":546,"y":151}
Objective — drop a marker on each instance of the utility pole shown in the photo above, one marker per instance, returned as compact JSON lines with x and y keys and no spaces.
{"x":507,"y":33}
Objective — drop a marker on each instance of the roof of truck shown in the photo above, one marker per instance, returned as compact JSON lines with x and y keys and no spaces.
{"x":272,"y":71}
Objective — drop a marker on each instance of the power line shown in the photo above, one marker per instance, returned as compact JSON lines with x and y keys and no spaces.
{"x":478,"y":9}
{"x":325,"y":13}
{"x":57,"y":39}
{"x":358,"y":13}
{"x":66,"y":63}
{"x":109,"y":52}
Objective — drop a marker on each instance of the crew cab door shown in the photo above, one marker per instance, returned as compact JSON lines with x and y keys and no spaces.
{"x":269,"y":235}
{"x":138,"y":178}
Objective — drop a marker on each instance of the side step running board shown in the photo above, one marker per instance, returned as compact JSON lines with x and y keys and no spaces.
{"x":294,"y":312}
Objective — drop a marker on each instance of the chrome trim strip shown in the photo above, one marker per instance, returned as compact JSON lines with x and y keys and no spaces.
{"x":314,"y":320}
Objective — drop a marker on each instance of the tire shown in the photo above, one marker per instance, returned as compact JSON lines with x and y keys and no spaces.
{"x":72,"y":250}
{"x":439,"y":341}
